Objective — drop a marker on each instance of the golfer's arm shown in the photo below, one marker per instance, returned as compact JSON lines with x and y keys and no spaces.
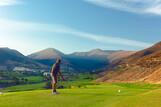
{"x":60,"y":73}
{"x":53,"y":68}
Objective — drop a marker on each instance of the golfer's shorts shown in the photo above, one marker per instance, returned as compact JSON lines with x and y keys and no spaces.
{"x":54,"y":78}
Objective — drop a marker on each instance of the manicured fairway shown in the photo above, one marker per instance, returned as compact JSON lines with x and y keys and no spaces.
{"x":104,"y":95}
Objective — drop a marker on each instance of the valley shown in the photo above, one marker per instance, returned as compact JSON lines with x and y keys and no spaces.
{"x":104,"y":77}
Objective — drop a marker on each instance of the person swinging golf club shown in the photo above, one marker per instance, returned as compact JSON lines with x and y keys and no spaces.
{"x":55,"y":72}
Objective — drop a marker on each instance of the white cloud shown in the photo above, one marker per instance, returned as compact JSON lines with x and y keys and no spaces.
{"x":136,"y":6}
{"x":8,"y":2}
{"x":8,"y":27}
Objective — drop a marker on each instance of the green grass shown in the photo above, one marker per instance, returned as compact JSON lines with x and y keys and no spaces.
{"x":34,"y":79}
{"x":76,"y":83}
{"x":38,"y":86}
{"x":26,"y":87}
{"x":102,"y":95}
{"x":139,"y":85}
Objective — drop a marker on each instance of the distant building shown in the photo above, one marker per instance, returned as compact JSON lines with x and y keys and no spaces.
{"x":46,"y":74}
{"x":23,"y":69}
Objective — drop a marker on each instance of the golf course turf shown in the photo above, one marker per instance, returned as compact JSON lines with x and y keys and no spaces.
{"x":102,"y":95}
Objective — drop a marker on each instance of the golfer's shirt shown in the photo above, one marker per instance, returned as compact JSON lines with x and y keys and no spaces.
{"x":55,"y":69}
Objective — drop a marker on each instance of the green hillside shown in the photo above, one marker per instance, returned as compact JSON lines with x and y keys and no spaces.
{"x":103,"y":95}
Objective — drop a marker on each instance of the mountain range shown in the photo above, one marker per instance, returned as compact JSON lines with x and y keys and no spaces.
{"x":119,"y":66}
{"x":142,"y":66}
{"x":93,"y":60}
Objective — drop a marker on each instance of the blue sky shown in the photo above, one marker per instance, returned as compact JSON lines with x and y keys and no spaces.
{"x":79,"y":25}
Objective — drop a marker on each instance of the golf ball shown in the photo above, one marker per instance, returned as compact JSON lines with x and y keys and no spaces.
{"x":119,"y":91}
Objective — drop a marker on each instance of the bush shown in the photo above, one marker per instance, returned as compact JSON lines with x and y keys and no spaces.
{"x":48,"y":85}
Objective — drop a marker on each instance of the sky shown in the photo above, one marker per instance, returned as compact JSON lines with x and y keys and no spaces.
{"x":79,"y":25}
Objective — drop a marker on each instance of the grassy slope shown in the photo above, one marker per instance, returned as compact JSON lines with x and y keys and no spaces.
{"x":26,"y":87}
{"x":104,"y":95}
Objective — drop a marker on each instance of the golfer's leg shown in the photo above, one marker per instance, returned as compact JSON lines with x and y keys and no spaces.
{"x":55,"y":84}
{"x":54,"y":87}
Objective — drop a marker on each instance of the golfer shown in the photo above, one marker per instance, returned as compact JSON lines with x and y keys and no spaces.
{"x":55,"y":72}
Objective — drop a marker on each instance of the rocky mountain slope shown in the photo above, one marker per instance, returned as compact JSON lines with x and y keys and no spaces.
{"x":143,"y":66}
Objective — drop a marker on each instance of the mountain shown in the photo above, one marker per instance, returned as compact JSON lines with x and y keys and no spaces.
{"x":47,"y":56}
{"x":96,"y":59}
{"x":92,"y":60}
{"x":111,"y":55}
{"x":79,"y":61}
{"x":49,"y":53}
{"x":9,"y":59}
{"x":143,"y":66}
{"x":94,"y":53}
{"x":115,"y":56}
